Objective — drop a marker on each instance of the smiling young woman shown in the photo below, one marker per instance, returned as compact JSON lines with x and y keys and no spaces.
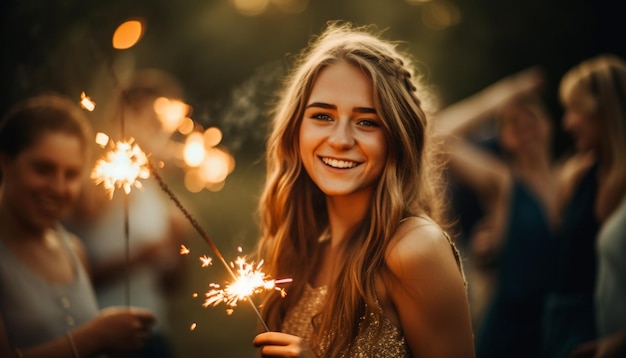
{"x":350,"y":211}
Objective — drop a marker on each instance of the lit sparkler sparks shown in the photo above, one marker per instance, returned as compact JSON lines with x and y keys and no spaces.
{"x":206,"y":261}
{"x":121,"y":167}
{"x":86,"y":102}
{"x":248,"y":281}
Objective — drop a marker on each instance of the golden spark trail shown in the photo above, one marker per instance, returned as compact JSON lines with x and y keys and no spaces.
{"x":203,"y":234}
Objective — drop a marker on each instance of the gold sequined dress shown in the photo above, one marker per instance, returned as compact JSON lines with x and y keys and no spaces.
{"x":390,"y":343}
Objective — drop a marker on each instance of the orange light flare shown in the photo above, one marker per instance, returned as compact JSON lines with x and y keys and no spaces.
{"x":249,"y":280}
{"x":127,"y":34}
{"x":206,"y":261}
{"x":86,"y":102}
{"x":121,"y":167}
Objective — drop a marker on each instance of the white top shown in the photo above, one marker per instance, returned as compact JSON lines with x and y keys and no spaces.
{"x":610,"y":296}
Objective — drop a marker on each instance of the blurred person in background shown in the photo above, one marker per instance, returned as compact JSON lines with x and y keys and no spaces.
{"x":589,"y":300}
{"x":153,"y":267}
{"x":47,"y":304}
{"x":514,"y":178}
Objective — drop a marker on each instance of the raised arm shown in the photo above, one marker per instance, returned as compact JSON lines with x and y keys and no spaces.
{"x":457,"y":118}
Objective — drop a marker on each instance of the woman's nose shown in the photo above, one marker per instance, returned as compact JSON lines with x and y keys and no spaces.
{"x":341,"y":135}
{"x":58,"y":183}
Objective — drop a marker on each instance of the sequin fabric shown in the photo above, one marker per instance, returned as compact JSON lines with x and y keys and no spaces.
{"x":389,"y":343}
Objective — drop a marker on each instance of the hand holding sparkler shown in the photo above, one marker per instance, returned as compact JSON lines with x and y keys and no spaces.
{"x":123,"y":166}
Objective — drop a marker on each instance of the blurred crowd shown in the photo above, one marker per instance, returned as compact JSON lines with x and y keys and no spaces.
{"x":544,"y":236}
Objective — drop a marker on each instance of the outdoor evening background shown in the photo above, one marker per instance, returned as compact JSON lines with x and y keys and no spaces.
{"x":228,"y":57}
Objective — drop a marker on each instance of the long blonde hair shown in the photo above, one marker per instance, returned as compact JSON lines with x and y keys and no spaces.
{"x":292,"y":209}
{"x":601,"y":80}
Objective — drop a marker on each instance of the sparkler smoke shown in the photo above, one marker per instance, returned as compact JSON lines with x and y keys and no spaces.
{"x":202,"y":233}
{"x":242,"y":121}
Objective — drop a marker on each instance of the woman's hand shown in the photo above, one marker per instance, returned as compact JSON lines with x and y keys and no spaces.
{"x":277,"y":344}
{"x":123,"y":328}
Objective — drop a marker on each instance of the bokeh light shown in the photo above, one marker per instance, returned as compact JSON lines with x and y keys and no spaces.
{"x":291,"y":6}
{"x":250,"y":7}
{"x":186,"y":126}
{"x":439,"y":15}
{"x":86,"y":102}
{"x":212,"y":137}
{"x":127,"y":34}
{"x":193,"y":181}
{"x":171,"y":113}
{"x":194,"y":153}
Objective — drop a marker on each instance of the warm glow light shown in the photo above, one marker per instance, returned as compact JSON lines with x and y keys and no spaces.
{"x":193,"y":181}
{"x":102,"y":139}
{"x":291,"y":6}
{"x":212,"y":136}
{"x":249,"y":280}
{"x":86,"y":102}
{"x":250,"y":7}
{"x":127,"y":34}
{"x":121,"y":168}
{"x":441,"y":14}
{"x":215,"y":187}
{"x":193,"y":154}
{"x":186,"y":126}
{"x":206,"y":261}
{"x":215,"y":167}
{"x":171,"y":113}
{"x":184,"y":250}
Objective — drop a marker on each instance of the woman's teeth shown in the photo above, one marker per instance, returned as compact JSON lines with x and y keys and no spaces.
{"x":341,"y":164}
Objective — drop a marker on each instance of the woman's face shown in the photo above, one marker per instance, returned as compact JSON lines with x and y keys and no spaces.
{"x":581,"y":122}
{"x":43,"y":181}
{"x":342,"y":141}
{"x":525,"y":128}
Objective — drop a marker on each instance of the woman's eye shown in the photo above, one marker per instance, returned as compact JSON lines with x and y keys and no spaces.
{"x":368,"y":123}
{"x":43,"y":169}
{"x":322,"y":117}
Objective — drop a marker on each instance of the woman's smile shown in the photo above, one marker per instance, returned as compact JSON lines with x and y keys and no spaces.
{"x":342,"y":140}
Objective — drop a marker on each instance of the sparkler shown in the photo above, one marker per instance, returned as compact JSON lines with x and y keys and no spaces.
{"x":246,"y":283}
{"x":122,"y":166}
{"x":125,"y":164}
{"x":250,"y":280}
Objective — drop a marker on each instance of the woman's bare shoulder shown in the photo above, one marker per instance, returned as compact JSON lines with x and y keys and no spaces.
{"x":418,"y":243}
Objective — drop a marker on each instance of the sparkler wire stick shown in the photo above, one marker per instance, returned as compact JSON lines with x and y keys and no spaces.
{"x":126,"y":199}
{"x":127,"y":239}
{"x":203,"y":234}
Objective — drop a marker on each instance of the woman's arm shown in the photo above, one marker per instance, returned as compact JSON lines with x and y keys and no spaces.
{"x":113,"y":329}
{"x":428,"y":292}
{"x":466,"y":113}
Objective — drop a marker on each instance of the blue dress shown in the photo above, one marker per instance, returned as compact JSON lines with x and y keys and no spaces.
{"x":569,"y":314}
{"x":512,"y":323}
{"x":36,"y":311}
